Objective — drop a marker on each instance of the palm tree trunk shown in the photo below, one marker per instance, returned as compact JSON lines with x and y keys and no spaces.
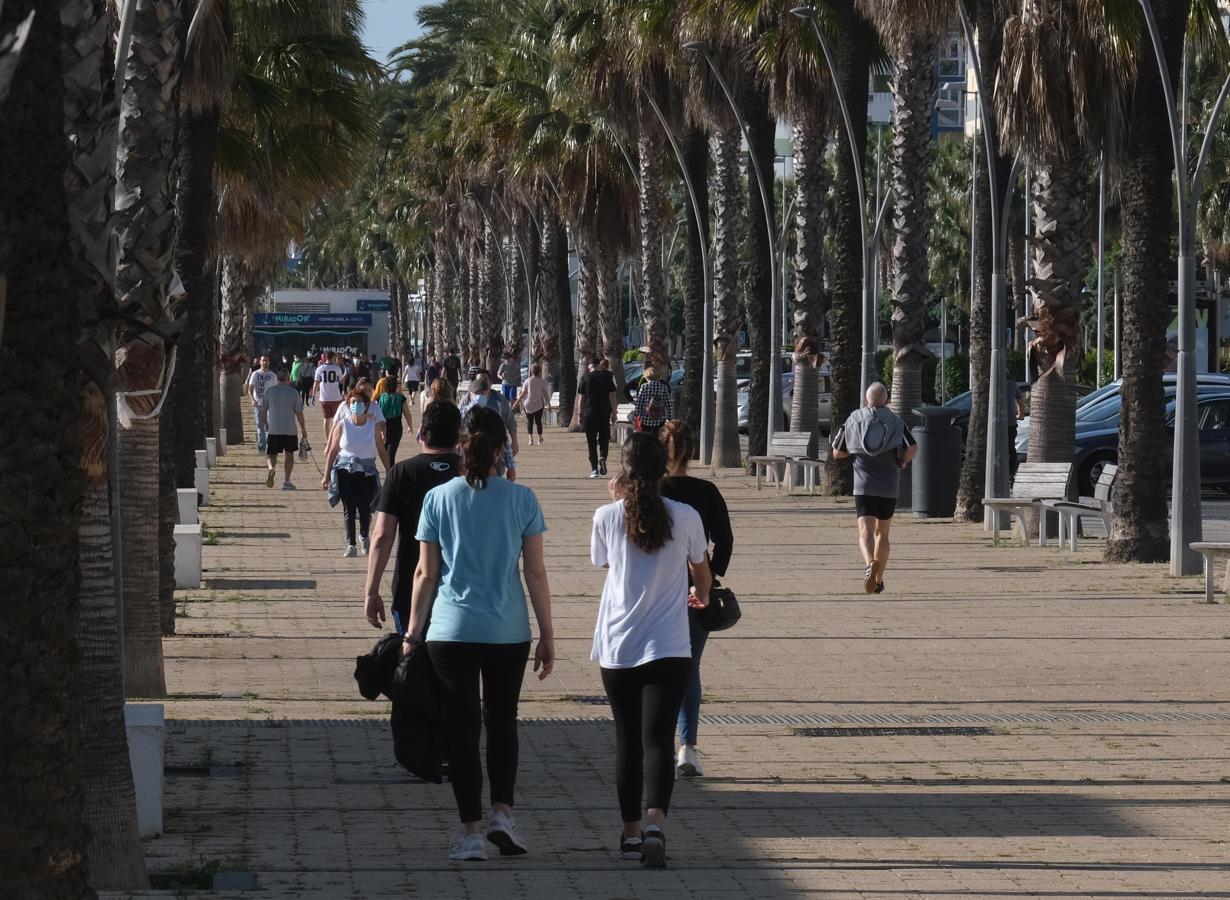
{"x":43,"y":843}
{"x":494,"y":301}
{"x":914,"y":88}
{"x":168,"y":515}
{"x":589,"y":258}
{"x":444,"y":303}
{"x":1060,"y":250}
{"x":727,"y":233}
{"x":394,"y":317}
{"x":546,"y":336}
{"x":1020,"y":293}
{"x":610,"y":309}
{"x":990,"y":22}
{"x":696,"y":157}
{"x":1139,"y":529}
{"x":654,"y":306}
{"x":845,"y":316}
{"x":567,"y":384}
{"x":811,"y":186}
{"x":232,"y":358}
{"x":765,"y":358}
{"x":474,"y":313}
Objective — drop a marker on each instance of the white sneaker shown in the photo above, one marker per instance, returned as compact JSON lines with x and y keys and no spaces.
{"x":593,"y":473}
{"x":687,"y":763}
{"x":350,"y":551}
{"x":502,"y":831}
{"x":469,"y":847}
{"x":363,"y":546}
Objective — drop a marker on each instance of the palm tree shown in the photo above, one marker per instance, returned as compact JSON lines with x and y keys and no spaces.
{"x":587,"y":318}
{"x":44,"y":848}
{"x":727,"y":234}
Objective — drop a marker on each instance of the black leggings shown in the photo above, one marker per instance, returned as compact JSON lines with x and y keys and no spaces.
{"x":358,"y":492}
{"x":532,"y":419}
{"x":502,"y":667}
{"x":645,"y":703}
{"x":598,"y":437}
{"x":392,"y":437}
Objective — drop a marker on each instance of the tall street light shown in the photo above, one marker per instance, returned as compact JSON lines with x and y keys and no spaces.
{"x":1185,"y":512}
{"x":869,"y":232}
{"x":766,"y":200}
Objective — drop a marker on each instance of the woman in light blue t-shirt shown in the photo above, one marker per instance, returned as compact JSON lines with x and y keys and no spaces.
{"x":468,"y":605}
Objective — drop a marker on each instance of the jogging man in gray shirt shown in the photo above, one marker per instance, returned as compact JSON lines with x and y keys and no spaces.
{"x":877,"y":478}
{"x":280,"y":408}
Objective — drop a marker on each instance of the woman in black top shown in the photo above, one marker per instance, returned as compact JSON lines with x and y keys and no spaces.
{"x":704,"y":497}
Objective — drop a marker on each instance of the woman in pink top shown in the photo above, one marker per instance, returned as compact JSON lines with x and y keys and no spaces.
{"x":534,"y":399}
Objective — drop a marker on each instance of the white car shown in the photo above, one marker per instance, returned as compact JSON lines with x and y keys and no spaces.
{"x":743,"y":372}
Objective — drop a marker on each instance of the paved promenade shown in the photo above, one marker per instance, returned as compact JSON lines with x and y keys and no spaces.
{"x":1009,"y":722}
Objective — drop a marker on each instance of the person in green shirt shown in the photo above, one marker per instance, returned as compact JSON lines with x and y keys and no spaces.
{"x":295,"y":368}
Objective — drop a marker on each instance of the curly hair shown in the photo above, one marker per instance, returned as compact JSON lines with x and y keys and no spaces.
{"x":442,"y":389}
{"x":676,"y":437}
{"x":485,"y":436}
{"x":647,"y":522}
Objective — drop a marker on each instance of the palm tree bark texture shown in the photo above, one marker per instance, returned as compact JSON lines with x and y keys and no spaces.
{"x":766,"y":362}
{"x":563,"y":298}
{"x":1139,"y":528}
{"x":654,"y":307}
{"x":845,"y":313}
{"x":727,"y":233}
{"x":587,"y":316}
{"x":232,"y":354}
{"x":696,"y":158}
{"x":42,"y":838}
{"x":493,"y":300}
{"x":990,"y":22}
{"x":810,"y":133}
{"x":546,"y":338}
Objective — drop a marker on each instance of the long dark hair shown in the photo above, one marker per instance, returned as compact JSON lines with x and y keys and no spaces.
{"x":646,"y":519}
{"x":676,"y":437}
{"x":485,"y":433}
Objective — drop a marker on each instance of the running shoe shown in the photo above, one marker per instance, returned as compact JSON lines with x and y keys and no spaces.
{"x":469,"y":848}
{"x":363,"y":545}
{"x":870,"y":576}
{"x":687,"y":763}
{"x":269,"y":479}
{"x":602,"y":467}
{"x":630,"y":847}
{"x":594,"y":474}
{"x":287,"y":486}
{"x":653,"y":848}
{"x":502,"y":831}
{"x":879,"y":587}
{"x":350,"y":551}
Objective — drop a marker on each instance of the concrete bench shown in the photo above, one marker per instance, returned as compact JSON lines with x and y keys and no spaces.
{"x":1075,"y":514}
{"x":551,"y":415}
{"x":202,"y":459}
{"x":201,"y":482}
{"x":188,"y":556}
{"x":786,"y":448}
{"x":1212,"y":553}
{"x":1034,"y":483}
{"x":221,"y":442}
{"x":211,"y":451}
{"x":186,"y":500}
{"x":145,"y":724}
{"x":624,"y":425}
{"x":810,"y":470}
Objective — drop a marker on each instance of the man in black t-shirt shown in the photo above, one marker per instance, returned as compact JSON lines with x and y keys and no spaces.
{"x":397,"y":511}
{"x":597,"y":392}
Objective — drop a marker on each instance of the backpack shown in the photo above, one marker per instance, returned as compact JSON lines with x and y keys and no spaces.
{"x":871,"y":431}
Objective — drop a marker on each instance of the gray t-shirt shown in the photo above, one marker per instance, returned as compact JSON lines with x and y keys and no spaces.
{"x":510,"y":373}
{"x":877,"y":476}
{"x":281,"y":402}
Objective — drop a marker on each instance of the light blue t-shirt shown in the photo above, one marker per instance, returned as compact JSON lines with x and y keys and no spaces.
{"x":480,"y":599}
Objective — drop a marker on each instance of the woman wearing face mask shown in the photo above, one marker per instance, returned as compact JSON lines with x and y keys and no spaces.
{"x":350,"y":468}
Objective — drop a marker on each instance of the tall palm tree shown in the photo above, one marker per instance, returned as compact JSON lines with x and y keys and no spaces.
{"x":727,"y":235}
{"x":43,"y":845}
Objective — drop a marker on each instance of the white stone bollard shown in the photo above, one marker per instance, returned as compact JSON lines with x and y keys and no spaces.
{"x":211,"y":451}
{"x":188,"y":556}
{"x":222,"y":442}
{"x":202,"y":485}
{"x":187,"y":505}
{"x":146,"y":727}
{"x":202,"y":459}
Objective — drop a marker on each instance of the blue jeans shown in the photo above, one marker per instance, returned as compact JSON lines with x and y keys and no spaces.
{"x":260,"y":432}
{"x":689,"y":712}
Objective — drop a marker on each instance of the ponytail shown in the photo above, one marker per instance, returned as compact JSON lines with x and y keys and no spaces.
{"x":676,"y":437}
{"x":485,"y":436}
{"x":647,"y":522}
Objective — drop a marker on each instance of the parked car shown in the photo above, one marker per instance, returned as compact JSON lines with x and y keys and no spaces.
{"x":962,"y":403}
{"x":743,"y":375}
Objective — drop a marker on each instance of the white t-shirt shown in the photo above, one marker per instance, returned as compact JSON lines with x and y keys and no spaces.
{"x":373,"y":410}
{"x":329,"y":377}
{"x":359,"y":440}
{"x":258,"y":381}
{"x":412,"y":373}
{"x":643,"y":614}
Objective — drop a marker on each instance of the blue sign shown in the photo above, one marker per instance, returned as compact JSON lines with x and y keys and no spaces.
{"x":372,"y":305}
{"x":293,"y":320}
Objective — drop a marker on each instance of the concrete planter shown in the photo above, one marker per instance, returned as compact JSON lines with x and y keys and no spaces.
{"x":146,"y":727}
{"x":188,"y":556}
{"x":187,"y":505}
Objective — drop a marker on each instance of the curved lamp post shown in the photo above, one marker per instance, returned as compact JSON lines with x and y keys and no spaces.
{"x":867,"y":372}
{"x":766,"y":200}
{"x":1185,"y":508}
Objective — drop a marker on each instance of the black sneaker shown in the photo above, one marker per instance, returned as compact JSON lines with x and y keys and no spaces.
{"x":880,"y":587}
{"x":653,"y":848}
{"x":602,"y":467}
{"x":629,"y":847}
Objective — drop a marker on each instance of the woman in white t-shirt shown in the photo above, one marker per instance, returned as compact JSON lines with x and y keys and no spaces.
{"x":354,"y":446}
{"x":641,"y":641}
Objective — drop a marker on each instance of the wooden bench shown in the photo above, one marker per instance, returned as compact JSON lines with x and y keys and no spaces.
{"x":1212,"y":552}
{"x":786,"y":448}
{"x":1072,"y":513}
{"x":811,"y":471}
{"x":1034,"y":483}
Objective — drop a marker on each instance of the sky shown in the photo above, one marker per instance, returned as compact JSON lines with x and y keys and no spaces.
{"x":389,"y":23}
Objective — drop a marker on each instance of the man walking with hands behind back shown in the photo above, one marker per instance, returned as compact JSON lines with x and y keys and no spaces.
{"x":281,"y":408}
{"x":882,"y":447}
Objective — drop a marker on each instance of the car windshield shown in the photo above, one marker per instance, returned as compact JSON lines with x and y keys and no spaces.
{"x":961,"y":401}
{"x":1099,"y":410}
{"x":743,"y":365}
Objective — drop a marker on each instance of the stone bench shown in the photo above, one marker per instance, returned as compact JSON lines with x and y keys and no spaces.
{"x":1212,"y":553}
{"x":624,"y":425}
{"x":786,"y":449}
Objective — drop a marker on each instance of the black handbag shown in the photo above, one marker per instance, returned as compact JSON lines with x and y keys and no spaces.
{"x":723,"y":610}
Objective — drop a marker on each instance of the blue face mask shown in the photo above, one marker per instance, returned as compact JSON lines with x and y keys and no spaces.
{"x":357,"y":408}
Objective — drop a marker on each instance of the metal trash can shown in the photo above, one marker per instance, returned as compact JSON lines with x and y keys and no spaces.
{"x":937,"y":467}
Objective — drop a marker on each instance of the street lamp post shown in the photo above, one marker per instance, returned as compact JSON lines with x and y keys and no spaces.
{"x":867,"y":369}
{"x":1185,"y":510}
{"x":766,"y":200}
{"x":1101,"y":267}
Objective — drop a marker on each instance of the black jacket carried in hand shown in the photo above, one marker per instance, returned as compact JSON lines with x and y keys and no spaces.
{"x":417,"y":720}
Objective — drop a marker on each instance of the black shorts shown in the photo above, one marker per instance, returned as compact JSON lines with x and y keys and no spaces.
{"x":281,"y":443}
{"x":880,"y":507}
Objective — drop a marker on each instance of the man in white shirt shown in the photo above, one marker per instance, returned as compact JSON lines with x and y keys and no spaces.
{"x":258,"y":381}
{"x":327,"y":388}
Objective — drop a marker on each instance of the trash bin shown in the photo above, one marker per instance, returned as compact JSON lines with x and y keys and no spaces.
{"x":937,"y":467}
